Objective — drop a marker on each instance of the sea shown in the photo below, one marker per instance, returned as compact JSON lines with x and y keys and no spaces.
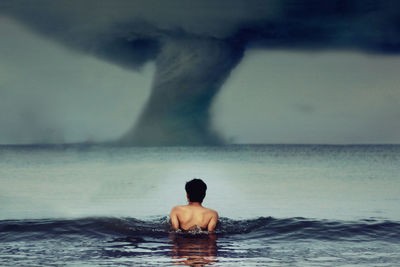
{"x":279,"y":205}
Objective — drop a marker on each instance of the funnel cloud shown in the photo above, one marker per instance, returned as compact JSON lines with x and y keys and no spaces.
{"x":196,"y":44}
{"x":190,"y":71}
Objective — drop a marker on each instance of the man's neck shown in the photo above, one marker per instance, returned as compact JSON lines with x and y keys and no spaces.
{"x":198,"y":204}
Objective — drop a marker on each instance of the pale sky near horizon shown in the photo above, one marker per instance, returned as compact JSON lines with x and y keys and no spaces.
{"x":52,"y":94}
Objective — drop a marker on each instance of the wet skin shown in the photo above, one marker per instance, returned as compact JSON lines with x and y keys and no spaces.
{"x":193,"y":215}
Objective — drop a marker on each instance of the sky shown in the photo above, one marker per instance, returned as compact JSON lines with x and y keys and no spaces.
{"x":312,"y":98}
{"x":55,"y":93}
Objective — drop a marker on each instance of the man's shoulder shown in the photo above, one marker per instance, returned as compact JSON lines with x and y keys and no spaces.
{"x":177,"y":208}
{"x":212,"y":212}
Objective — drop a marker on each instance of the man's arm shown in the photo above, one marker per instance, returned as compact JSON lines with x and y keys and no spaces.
{"x":213,"y":222}
{"x":174,"y":218}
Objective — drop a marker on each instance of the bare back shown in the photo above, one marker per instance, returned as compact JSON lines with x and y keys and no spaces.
{"x":191,"y":216}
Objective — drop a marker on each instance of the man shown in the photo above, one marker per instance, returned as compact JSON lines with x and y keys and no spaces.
{"x":194,"y":215}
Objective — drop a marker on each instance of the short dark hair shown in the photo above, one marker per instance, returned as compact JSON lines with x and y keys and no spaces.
{"x":196,"y":190}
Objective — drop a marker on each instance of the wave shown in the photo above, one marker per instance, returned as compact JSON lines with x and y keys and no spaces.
{"x":260,"y":228}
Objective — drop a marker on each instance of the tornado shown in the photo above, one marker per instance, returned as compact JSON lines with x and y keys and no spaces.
{"x":189,"y":73}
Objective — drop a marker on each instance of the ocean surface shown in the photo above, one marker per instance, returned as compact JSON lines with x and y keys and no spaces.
{"x":279,"y":205}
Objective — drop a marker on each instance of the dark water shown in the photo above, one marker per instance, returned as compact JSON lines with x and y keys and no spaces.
{"x":279,"y":205}
{"x":266,"y":240}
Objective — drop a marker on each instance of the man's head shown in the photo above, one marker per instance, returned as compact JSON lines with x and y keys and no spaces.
{"x":196,"y":190}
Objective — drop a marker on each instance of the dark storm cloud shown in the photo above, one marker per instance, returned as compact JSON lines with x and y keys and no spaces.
{"x":196,"y":44}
